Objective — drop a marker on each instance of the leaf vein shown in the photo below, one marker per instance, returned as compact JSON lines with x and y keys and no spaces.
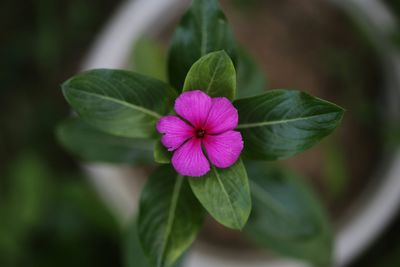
{"x":121,"y":102}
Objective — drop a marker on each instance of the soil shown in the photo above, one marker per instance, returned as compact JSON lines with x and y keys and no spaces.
{"x":312,"y":46}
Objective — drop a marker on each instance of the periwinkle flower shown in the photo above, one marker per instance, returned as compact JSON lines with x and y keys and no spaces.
{"x":201,"y":133}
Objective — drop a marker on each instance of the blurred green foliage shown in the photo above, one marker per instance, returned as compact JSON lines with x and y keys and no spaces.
{"x":47,"y":223}
{"x":49,"y":215}
{"x":149,"y":57}
{"x":133,"y":252}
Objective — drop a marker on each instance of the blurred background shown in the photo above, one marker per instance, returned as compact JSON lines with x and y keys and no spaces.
{"x":49,"y":213}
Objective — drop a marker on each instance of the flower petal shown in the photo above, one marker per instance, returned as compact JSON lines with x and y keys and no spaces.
{"x":224,"y":149}
{"x":222,"y":117}
{"x":189,"y":159}
{"x":175,"y":131}
{"x":194,"y":107}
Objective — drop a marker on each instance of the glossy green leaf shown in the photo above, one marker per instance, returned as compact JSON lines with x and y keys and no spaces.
{"x":225,"y":194}
{"x":90,"y":144}
{"x":251,"y":79}
{"x":203,"y":29}
{"x":169,"y":217}
{"x":119,"y":102}
{"x":286,"y":216}
{"x":214,"y":74}
{"x":161,"y":154}
{"x":149,"y":58}
{"x":282,"y":123}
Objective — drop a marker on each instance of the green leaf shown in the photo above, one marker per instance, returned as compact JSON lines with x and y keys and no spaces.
{"x":225,"y":194}
{"x":203,"y":29}
{"x":149,"y":58}
{"x":286,"y":216}
{"x":161,"y":154}
{"x":169,"y":217}
{"x":133,"y":252}
{"x":119,"y":102}
{"x":282,"y":123}
{"x":90,"y":144}
{"x":251,"y":79}
{"x":214,"y":74}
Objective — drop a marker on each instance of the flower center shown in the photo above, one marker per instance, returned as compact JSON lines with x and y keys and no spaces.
{"x":200,"y":133}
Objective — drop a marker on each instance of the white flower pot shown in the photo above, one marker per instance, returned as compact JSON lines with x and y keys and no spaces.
{"x":372,"y":210}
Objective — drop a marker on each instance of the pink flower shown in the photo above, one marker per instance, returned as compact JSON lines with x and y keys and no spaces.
{"x":203,"y":124}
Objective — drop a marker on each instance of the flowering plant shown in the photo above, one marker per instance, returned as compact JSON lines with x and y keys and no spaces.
{"x":208,"y":123}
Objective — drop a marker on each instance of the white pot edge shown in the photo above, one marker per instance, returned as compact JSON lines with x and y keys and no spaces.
{"x":371,"y":214}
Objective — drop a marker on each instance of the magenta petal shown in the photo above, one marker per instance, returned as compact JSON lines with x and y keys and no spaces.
{"x":222,"y":117}
{"x":224,"y":149}
{"x":194,"y":107}
{"x":175,"y":131}
{"x":189,"y":159}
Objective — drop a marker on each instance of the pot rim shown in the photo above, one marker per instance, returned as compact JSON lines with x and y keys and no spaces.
{"x":370,"y":213}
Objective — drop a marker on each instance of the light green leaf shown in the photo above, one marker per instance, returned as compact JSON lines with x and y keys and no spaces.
{"x":282,"y":123}
{"x":161,"y":154}
{"x":203,"y":29}
{"x":225,"y":194}
{"x":251,"y":79}
{"x":149,"y":58}
{"x":286,"y":216}
{"x":169,"y":217}
{"x":119,"y":102}
{"x":214,"y":74}
{"x":90,"y":144}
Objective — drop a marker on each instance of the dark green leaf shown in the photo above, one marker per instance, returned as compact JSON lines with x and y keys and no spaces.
{"x":133,"y":252}
{"x":214,"y":74}
{"x":161,"y":154}
{"x":119,"y":102}
{"x":203,"y":29}
{"x":282,"y":123}
{"x":286,"y":216}
{"x":225,"y":194}
{"x":149,"y":58}
{"x":169,"y":217}
{"x":250,"y":77}
{"x":134,"y":255}
{"x":91,"y":144}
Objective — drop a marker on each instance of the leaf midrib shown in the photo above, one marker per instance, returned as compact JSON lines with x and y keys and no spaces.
{"x":213,"y":75}
{"x":266,"y":123}
{"x":238,"y":225}
{"x":171,"y":217}
{"x":123,"y":103}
